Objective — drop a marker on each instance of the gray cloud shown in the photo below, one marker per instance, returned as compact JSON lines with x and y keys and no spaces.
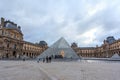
{"x":84,"y":21}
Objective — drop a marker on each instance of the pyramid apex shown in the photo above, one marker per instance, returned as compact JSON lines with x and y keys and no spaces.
{"x":61,"y":43}
{"x":62,"y":38}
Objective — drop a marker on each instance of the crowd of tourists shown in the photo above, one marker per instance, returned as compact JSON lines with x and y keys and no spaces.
{"x":46,"y":59}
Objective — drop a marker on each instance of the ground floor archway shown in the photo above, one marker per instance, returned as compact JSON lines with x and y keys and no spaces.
{"x":14,"y":54}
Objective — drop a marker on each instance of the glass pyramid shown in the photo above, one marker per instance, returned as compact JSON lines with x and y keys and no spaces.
{"x":60,"y":47}
{"x":115,"y":56}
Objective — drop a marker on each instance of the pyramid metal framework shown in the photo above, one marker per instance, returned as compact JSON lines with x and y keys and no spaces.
{"x":60,"y":47}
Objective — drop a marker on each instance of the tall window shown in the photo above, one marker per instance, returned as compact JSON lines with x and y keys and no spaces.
{"x":15,"y":46}
{"x":8,"y":34}
{"x":2,"y":32}
{"x":14,"y":35}
{"x":8,"y":45}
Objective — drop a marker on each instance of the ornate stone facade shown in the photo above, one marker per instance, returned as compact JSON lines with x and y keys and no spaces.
{"x":12,"y":44}
{"x":109,"y":47}
{"x":32,"y":50}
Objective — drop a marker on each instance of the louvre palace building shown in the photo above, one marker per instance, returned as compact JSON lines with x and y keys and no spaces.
{"x":109,"y":47}
{"x":13,"y":45}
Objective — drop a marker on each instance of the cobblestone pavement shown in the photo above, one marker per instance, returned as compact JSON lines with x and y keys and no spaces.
{"x":82,"y":70}
{"x":19,"y":70}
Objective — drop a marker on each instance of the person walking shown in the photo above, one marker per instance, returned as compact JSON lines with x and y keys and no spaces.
{"x":43,"y":60}
{"x":46,"y":59}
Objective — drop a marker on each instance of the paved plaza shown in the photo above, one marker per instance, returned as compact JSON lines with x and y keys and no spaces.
{"x":80,"y":70}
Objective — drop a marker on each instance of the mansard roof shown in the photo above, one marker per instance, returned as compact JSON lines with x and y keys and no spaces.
{"x":87,"y":47}
{"x":12,"y":26}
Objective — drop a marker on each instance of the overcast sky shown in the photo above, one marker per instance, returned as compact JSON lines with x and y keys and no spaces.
{"x":86,"y":22}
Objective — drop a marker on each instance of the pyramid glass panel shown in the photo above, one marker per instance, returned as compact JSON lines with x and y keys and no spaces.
{"x":60,"y":48}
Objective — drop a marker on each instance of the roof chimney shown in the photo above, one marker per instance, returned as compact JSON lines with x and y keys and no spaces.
{"x":2,"y":22}
{"x":19,"y":27}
